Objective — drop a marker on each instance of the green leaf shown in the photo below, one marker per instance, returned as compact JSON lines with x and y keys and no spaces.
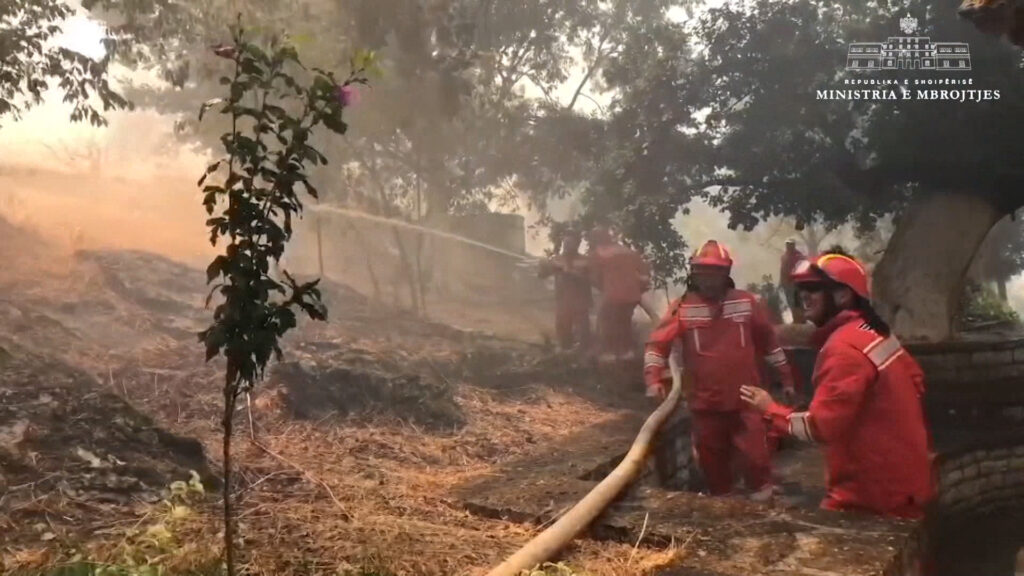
{"x":216,"y":268}
{"x":209,"y":170}
{"x":335,"y":124}
{"x":207,"y":105}
{"x":209,"y":296}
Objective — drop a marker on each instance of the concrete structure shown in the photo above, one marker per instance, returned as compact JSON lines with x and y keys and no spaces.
{"x":506,"y":231}
{"x":472,"y":271}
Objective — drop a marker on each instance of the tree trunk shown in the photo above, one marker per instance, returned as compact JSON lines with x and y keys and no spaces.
{"x":229,"y":530}
{"x":373,"y":279}
{"x":319,"y":242}
{"x":919,"y":280}
{"x":419,"y":245}
{"x":1001,"y":286}
{"x":407,"y":271}
{"x":420,"y":282}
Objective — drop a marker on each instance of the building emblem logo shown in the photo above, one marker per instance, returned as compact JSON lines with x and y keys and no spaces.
{"x":909,"y":52}
{"x":908,"y":25}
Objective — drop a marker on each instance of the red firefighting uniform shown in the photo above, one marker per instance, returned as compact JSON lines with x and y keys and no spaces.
{"x":722,"y":345}
{"x":573,"y":298}
{"x":622,"y":275}
{"x":867,"y":413}
{"x":799,"y":386}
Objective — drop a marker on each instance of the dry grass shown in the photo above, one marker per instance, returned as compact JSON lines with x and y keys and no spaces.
{"x":368,"y":491}
{"x":335,"y":497}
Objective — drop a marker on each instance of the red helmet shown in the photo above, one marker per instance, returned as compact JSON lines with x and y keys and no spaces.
{"x":839,"y":268}
{"x":712,"y":254}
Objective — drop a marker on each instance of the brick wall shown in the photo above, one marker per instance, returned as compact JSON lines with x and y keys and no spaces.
{"x":992,"y":370}
{"x":977,"y":524}
{"x":975,"y":391}
{"x":981,"y":480}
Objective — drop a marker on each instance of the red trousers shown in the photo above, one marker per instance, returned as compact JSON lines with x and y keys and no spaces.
{"x":572,"y":325}
{"x":615,"y":326}
{"x":909,"y":511}
{"x":774,"y":441}
{"x":718,"y":435}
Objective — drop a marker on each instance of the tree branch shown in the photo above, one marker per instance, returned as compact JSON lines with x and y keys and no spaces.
{"x":590,"y":69}
{"x":547,"y":93}
{"x":1004,"y":188}
{"x":596,"y":103}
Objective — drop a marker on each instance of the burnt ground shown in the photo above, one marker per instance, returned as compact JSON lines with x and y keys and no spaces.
{"x":71,"y":449}
{"x":715,"y":536}
{"x":363,"y":431}
{"x":356,"y":451}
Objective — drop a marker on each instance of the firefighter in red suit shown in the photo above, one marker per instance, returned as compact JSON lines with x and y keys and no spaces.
{"x":866,"y":410}
{"x":573,"y":297}
{"x":724,"y":333}
{"x":622,"y":275}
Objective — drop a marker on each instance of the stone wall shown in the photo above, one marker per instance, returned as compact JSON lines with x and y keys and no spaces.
{"x":974,"y":370}
{"x":977,"y":524}
{"x":975,"y":391}
{"x":981,"y":480}
{"x":506,"y":231}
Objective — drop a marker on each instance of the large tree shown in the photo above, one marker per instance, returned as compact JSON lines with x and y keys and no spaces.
{"x":1001,"y":256}
{"x":31,"y":63}
{"x":737,"y":122}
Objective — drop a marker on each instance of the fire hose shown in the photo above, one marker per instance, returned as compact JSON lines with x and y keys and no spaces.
{"x":546,"y":544}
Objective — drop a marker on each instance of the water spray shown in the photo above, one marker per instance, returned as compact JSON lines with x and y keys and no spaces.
{"x":521,"y":260}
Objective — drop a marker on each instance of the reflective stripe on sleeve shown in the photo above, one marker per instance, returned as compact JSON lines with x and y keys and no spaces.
{"x":883,"y":351}
{"x":776,"y":357}
{"x":800,"y":426}
{"x":653,"y":359}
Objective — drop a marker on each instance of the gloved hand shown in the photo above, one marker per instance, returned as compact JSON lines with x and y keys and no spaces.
{"x":655,"y":383}
{"x":657,"y":391}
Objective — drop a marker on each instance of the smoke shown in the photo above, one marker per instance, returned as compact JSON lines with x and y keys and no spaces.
{"x":123,"y":187}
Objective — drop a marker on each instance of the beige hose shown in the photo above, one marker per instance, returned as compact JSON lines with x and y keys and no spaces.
{"x":549,"y":542}
{"x":648,"y":307}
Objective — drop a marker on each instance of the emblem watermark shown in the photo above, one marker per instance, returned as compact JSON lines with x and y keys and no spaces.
{"x":910,"y":52}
